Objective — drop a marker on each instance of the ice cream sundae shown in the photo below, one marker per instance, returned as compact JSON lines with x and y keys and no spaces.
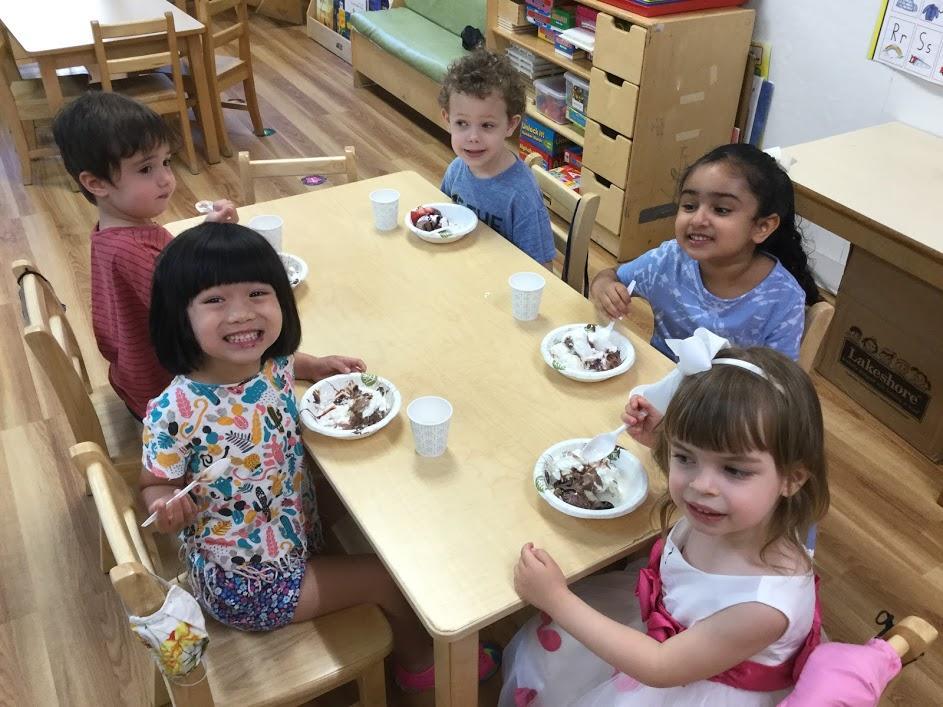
{"x":353,"y":407}
{"x":580,"y":350}
{"x":592,"y":486}
{"x":428,"y":218}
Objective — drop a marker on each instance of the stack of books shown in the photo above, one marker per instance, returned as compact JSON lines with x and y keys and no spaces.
{"x":531,"y":65}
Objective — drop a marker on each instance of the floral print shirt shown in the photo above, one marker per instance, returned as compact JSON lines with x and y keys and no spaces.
{"x":252,"y":513}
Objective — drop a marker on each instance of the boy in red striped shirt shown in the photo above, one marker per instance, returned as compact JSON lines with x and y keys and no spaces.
{"x":119,"y":150}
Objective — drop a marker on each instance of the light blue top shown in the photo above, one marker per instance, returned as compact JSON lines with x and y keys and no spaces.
{"x":510,"y":203}
{"x":772,"y":314}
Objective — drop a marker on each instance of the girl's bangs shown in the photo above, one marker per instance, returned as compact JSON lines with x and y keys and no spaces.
{"x":231,"y":259}
{"x":723,"y":411}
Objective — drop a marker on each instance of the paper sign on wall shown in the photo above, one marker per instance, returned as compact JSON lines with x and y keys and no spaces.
{"x":908,"y":35}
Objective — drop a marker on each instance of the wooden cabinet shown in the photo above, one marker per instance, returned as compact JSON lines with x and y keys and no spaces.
{"x":663,"y":91}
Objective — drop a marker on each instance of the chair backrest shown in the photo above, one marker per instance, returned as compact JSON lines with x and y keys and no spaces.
{"x":134,"y":576}
{"x":817,"y":319}
{"x":579,"y":211}
{"x":125,"y":38}
{"x":115,"y":503}
{"x":9,"y":71}
{"x":250,"y":170}
{"x":206,"y":10}
{"x":52,"y":341}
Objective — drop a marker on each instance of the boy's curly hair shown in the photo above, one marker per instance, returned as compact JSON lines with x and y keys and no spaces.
{"x":480,"y":73}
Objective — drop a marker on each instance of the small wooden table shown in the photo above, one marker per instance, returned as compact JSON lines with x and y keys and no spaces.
{"x":436,"y":320}
{"x":58,"y":34}
{"x":878,"y":188}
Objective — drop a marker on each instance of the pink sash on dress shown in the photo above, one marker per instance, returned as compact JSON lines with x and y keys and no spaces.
{"x":746,"y":675}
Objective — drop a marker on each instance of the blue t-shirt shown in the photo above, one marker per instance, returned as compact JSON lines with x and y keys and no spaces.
{"x":772,"y":314}
{"x":510,"y":203}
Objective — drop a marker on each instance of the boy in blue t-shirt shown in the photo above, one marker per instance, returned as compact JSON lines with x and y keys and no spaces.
{"x":482,"y":100}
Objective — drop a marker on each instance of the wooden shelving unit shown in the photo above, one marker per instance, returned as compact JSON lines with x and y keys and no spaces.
{"x":545,"y":50}
{"x":663,"y":91}
{"x":570,"y":132}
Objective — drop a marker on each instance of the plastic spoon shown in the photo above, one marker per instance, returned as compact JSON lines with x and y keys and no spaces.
{"x":600,"y":338}
{"x":601,"y":446}
{"x":189,"y":487}
{"x":204,"y":206}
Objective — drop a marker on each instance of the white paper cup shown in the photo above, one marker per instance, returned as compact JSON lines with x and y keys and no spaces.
{"x":270,"y":228}
{"x":429,"y":418}
{"x":526,"y":289}
{"x":385,"y":209}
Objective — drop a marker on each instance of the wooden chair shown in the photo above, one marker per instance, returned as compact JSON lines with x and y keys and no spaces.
{"x":250,"y":170}
{"x":579,"y":212}
{"x":94,"y":414}
{"x":23,"y":101}
{"x":817,"y":319}
{"x":289,"y":666}
{"x":225,"y":70}
{"x":156,"y":42}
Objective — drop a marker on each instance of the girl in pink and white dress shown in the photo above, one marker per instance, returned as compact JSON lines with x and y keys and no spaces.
{"x":725,"y":611}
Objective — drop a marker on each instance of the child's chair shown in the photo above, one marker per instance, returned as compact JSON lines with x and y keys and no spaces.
{"x":291,"y":665}
{"x":225,"y":70}
{"x":817,"y":319}
{"x":94,"y":414}
{"x":23,"y":101}
{"x":250,"y":170}
{"x":579,"y":212}
{"x":156,"y":40}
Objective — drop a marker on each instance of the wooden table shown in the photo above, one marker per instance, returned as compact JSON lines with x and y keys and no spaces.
{"x":436,"y":319}
{"x":878,"y":188}
{"x":58,"y":34}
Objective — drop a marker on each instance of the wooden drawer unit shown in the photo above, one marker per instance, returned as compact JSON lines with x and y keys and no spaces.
{"x":620,"y":47}
{"x":607,"y":153}
{"x":612,"y":101}
{"x":611,"y":198}
{"x":663,"y":91}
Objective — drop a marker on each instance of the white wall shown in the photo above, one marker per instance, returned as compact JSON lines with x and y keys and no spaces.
{"x":825,"y":85}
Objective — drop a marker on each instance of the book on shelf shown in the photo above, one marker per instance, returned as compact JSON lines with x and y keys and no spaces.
{"x":516,"y":29}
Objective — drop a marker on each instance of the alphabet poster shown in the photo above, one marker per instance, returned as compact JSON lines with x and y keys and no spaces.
{"x":908,"y":35}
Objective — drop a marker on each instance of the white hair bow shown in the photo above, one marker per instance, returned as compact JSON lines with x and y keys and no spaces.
{"x":785,"y":161}
{"x":695,"y":355}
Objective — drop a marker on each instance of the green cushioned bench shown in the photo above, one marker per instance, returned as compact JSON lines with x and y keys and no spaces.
{"x":408,"y":48}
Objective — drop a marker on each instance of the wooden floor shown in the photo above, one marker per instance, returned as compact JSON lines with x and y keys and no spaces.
{"x":63,"y":635}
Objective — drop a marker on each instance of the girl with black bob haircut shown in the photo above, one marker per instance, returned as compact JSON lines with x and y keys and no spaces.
{"x":224,"y":321}
{"x":736,"y":265}
{"x":206,"y":256}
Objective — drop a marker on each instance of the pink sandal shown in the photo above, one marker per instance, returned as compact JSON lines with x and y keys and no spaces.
{"x":489,"y":660}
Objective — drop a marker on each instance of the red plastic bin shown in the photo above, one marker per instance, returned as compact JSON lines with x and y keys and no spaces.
{"x":672,"y":6}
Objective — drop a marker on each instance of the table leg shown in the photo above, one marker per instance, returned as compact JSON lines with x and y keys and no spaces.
{"x":47,"y":70}
{"x":203,"y":98}
{"x":456,"y":672}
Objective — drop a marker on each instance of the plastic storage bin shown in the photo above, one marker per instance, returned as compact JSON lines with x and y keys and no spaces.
{"x":551,"y":98}
{"x":577,"y":92}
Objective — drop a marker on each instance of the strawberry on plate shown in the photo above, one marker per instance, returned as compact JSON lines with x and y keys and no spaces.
{"x":421,"y":211}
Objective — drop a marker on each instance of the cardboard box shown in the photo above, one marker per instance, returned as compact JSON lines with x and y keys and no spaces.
{"x":514,"y":13}
{"x":547,"y":160}
{"x":884,"y":349}
{"x":543,"y":136}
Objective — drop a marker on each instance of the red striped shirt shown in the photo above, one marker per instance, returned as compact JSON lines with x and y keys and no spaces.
{"x":122,"y":264}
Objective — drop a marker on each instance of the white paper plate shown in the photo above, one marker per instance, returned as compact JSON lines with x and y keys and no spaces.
{"x":632,"y":479}
{"x":326,"y":389}
{"x":581,"y":374}
{"x":296,"y":268}
{"x":461,"y":218}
